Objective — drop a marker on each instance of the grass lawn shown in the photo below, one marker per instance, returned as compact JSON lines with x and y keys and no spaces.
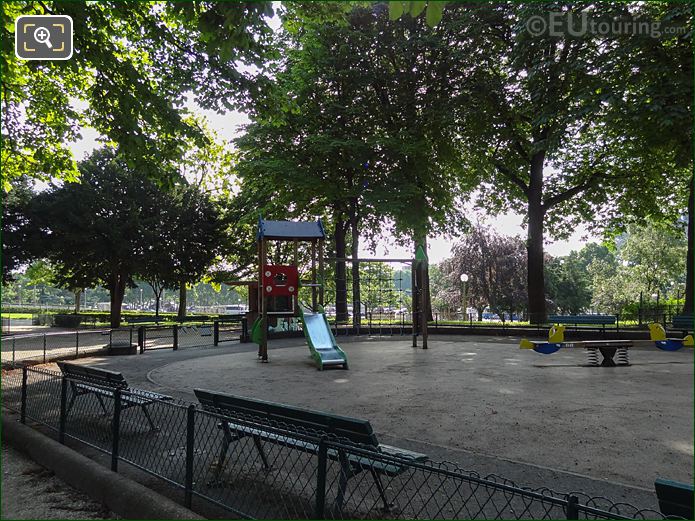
{"x":16,"y":315}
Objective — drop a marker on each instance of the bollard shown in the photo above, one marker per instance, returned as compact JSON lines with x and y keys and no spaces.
{"x":63,"y":409}
{"x":321,"y":480}
{"x":23,"y":409}
{"x":115,"y":428}
{"x":572,"y":510}
{"x":190,"y":445}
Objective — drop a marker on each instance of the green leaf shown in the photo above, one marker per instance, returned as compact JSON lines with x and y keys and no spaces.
{"x":434,"y":13}
{"x":416,"y":8}
{"x":395,"y":10}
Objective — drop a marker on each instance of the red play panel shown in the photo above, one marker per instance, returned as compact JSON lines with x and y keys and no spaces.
{"x":279,"y":280}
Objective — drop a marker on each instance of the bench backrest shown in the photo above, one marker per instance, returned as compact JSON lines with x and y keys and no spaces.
{"x":675,"y":498}
{"x":684,"y":321}
{"x":353,"y":429}
{"x":92,"y":374}
{"x":582,"y":319}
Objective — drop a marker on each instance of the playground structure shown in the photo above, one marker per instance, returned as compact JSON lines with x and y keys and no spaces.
{"x":279,"y":287}
{"x":609,"y":349}
{"x":296,"y":289}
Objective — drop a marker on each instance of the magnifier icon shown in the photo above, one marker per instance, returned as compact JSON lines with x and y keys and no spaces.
{"x":43,"y":35}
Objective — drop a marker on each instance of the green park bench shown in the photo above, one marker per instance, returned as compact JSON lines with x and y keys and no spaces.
{"x":683,"y":322}
{"x":102,"y":383}
{"x":583,"y":320}
{"x":282,"y":420}
{"x":675,"y":498}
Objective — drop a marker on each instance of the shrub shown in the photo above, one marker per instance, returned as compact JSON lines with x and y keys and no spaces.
{"x":67,"y":320}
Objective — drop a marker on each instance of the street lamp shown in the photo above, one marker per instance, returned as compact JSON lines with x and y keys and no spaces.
{"x":464,"y":279}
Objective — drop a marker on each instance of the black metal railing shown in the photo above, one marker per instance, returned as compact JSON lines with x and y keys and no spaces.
{"x":231,"y":329}
{"x":179,"y":336}
{"x":296,"y":473}
{"x":45,"y":347}
{"x":637,"y":320}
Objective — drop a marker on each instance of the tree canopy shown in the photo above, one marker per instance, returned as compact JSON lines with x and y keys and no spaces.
{"x":133,"y":66}
{"x":117,"y":223}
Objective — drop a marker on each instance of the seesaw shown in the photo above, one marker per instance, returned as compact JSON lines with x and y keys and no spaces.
{"x":608,"y":348}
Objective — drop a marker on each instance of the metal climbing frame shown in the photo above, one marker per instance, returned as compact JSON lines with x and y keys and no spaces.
{"x":377,"y":296}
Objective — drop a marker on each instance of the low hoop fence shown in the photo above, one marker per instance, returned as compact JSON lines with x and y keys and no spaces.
{"x":195,"y":335}
{"x":45,"y":347}
{"x":297,"y":474}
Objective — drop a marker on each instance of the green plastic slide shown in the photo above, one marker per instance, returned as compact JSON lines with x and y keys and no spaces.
{"x":324,"y":349}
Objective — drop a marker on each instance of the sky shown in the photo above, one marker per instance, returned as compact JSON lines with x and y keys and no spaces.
{"x":228,"y":126}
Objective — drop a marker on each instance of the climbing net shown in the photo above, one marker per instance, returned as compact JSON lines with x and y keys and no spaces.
{"x":371,"y":295}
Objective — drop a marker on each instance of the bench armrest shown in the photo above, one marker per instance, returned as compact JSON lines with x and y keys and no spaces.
{"x":402,"y":453}
{"x":149,"y":394}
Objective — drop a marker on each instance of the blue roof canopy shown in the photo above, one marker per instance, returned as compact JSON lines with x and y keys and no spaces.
{"x":289,"y":230}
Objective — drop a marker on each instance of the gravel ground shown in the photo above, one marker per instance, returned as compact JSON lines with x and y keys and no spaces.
{"x":30,"y":491}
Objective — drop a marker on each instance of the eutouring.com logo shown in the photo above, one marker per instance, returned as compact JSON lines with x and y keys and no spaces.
{"x":568,"y":24}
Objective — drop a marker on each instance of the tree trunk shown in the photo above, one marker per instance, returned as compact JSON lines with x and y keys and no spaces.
{"x":157,"y":298}
{"x":354,"y":251}
{"x":689,"y":275}
{"x":116,"y":292}
{"x":534,"y":244}
{"x":182,"y":302}
{"x":428,"y":296}
{"x":78,"y":300}
{"x":341,"y":313}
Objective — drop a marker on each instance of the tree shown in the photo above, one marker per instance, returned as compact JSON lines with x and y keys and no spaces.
{"x":364,"y":138}
{"x":655,"y":255}
{"x":134,"y":66}
{"x":543,"y":120}
{"x":568,"y":284}
{"x":317,"y":155}
{"x":16,"y":249}
{"x":570,"y":287}
{"x":496,"y":271}
{"x":648,"y":259}
{"x":94,"y":231}
{"x":194,"y":235}
{"x":117,"y":224}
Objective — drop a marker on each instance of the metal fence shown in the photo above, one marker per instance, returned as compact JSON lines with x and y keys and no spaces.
{"x":44,"y":347}
{"x":292,"y":473}
{"x":231,"y":329}
{"x":200,"y":335}
{"x":627,"y":321}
